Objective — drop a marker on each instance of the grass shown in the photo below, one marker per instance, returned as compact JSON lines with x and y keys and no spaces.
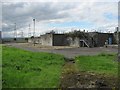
{"x":24,"y":69}
{"x":101,"y":64}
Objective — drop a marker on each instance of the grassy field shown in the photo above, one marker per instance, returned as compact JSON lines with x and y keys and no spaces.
{"x":23,"y":69}
{"x":29,"y":69}
{"x":102,"y":63}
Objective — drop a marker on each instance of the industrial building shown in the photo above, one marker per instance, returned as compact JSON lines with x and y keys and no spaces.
{"x":78,"y":39}
{"x":75,"y":38}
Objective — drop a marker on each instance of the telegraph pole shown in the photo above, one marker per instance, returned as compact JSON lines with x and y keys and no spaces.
{"x":34,"y":31}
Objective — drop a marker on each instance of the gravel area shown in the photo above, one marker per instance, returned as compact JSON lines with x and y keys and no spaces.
{"x":69,"y":52}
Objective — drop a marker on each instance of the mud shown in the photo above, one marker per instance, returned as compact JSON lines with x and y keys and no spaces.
{"x":73,"y":78}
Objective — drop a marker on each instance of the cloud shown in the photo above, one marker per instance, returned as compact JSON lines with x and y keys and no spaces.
{"x":51,"y":13}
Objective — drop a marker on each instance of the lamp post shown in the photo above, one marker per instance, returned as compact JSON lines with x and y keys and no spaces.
{"x":15,"y":33}
{"x":34,"y":32}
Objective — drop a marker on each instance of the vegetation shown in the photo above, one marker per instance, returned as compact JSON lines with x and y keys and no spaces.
{"x":36,"y":70}
{"x":80,"y":34}
{"x":29,"y":69}
{"x":102,"y":63}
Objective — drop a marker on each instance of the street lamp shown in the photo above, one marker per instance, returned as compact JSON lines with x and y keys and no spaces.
{"x":34,"y":31}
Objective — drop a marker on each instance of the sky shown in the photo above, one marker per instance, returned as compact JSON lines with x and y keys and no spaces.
{"x":60,"y":16}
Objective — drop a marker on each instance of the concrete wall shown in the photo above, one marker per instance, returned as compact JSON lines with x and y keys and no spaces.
{"x":73,"y":41}
{"x":36,"y":40}
{"x":46,"y":39}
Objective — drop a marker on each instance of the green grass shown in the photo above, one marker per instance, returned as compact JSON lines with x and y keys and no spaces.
{"x":29,"y":69}
{"x":24,"y":69}
{"x":102,"y":63}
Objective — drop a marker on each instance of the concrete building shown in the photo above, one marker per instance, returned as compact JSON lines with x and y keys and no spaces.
{"x":49,"y":39}
{"x":78,"y":39}
{"x":99,"y":39}
{"x":73,"y":41}
{"x":36,"y":40}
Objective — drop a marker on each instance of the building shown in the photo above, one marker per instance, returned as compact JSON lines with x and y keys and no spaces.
{"x":78,"y":39}
{"x":99,"y":39}
{"x":50,"y":39}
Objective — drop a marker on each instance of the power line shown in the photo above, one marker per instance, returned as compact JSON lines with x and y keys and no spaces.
{"x":22,"y":34}
{"x":29,"y":31}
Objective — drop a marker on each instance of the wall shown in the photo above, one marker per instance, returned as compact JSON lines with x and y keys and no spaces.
{"x":102,"y":37}
{"x":73,"y":41}
{"x":46,"y":39}
{"x":59,"y":40}
{"x":36,"y":40}
{"x":116,"y":38}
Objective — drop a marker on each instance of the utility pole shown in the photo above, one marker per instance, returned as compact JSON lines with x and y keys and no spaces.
{"x":34,"y":27}
{"x":34,"y":32}
{"x":15,"y":32}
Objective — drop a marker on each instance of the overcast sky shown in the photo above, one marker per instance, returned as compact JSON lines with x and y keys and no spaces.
{"x":58,"y":16}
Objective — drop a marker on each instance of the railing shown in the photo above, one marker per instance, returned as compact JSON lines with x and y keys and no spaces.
{"x":85,"y":42}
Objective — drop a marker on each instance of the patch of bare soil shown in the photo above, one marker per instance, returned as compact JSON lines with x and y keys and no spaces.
{"x":73,"y":78}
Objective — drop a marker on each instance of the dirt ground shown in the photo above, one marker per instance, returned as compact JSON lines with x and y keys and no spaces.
{"x":73,"y":78}
{"x":67,"y":51}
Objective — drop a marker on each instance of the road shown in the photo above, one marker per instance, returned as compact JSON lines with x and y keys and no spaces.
{"x":67,"y":52}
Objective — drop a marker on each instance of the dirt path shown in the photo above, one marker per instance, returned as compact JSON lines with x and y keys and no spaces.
{"x":72,"y":78}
